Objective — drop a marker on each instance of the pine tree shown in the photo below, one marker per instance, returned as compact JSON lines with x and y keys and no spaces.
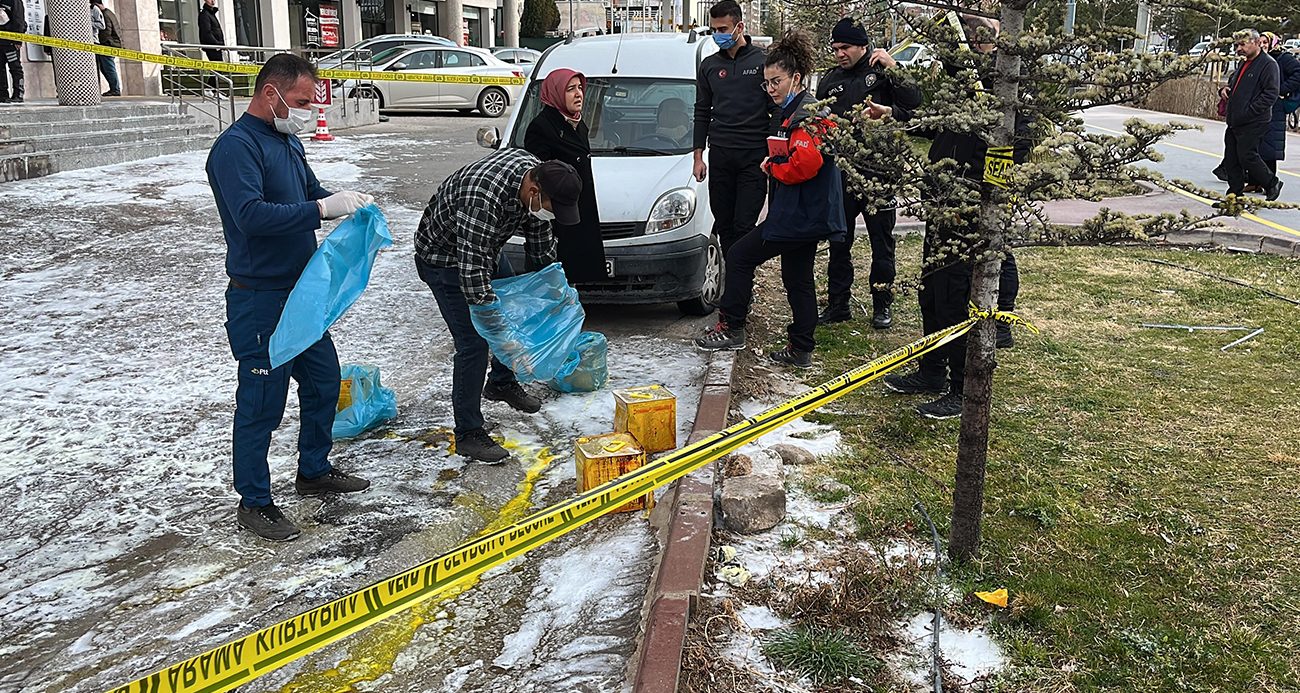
{"x":539,"y":17}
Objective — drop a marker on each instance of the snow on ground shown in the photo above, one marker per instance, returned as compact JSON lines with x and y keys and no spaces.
{"x":815,"y":438}
{"x":968,"y":654}
{"x":121,"y":553}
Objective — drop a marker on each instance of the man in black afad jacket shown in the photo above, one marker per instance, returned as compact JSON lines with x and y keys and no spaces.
{"x":861,"y":78}
{"x":14,"y":20}
{"x":733,"y":116}
{"x":1251,"y":92}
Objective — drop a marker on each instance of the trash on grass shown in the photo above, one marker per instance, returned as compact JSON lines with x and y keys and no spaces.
{"x":996,"y":597}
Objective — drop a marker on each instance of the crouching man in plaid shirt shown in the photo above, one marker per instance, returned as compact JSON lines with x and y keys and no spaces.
{"x":458,"y":252}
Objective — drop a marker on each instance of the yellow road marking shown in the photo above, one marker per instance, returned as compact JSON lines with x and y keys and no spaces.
{"x":1251,"y":217}
{"x":1190,"y":149}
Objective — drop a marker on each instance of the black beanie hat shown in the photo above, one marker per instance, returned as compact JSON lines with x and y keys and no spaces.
{"x":850,"y":31}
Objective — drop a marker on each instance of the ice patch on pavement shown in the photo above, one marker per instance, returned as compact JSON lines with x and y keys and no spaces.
{"x":967,"y":654}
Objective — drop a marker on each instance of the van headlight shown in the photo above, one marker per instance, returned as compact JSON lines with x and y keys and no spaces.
{"x":672,"y":210}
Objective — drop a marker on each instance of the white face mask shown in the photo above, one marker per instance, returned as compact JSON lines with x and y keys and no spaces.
{"x":541,"y":212}
{"x":297,"y":120}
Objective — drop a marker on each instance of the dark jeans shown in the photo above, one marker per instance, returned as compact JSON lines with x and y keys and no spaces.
{"x":737,"y":190}
{"x":1241,"y":157}
{"x":945,"y":301}
{"x":251,"y":317}
{"x":880,"y":230}
{"x":9,"y":57}
{"x":215,"y":56}
{"x":472,"y":352}
{"x":108,"y":68}
{"x":797,"y":259}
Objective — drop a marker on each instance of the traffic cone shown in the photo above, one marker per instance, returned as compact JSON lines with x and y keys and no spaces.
{"x":322,"y":127}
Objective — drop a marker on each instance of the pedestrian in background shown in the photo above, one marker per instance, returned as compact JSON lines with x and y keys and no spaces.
{"x":806,"y":208}
{"x":104,"y":22}
{"x":270,"y":205}
{"x":1250,"y":97}
{"x":13,"y":18}
{"x":732,"y":118}
{"x":211,"y":34}
{"x":559,"y":133}
{"x":1273,"y":147}
{"x":861,"y":78}
{"x":458,"y":252}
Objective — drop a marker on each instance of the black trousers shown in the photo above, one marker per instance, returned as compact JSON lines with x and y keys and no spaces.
{"x":1241,"y":157}
{"x":215,"y":56}
{"x":10,"y":58}
{"x":945,"y":300}
{"x":880,"y":230}
{"x":737,"y":190}
{"x":797,"y":261}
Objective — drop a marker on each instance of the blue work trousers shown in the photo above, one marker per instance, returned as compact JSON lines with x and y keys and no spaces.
{"x":251,"y":317}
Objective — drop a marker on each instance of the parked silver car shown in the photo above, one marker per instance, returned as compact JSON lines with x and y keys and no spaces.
{"x":460,"y":85}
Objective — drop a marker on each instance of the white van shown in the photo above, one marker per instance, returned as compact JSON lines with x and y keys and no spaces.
{"x":654,"y":216}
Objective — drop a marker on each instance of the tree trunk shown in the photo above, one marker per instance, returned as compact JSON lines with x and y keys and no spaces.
{"x":972,"y":444}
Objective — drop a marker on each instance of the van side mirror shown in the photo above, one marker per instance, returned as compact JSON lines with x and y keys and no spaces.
{"x":489,"y":138}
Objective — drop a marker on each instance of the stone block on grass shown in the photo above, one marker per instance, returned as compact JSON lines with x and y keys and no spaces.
{"x":794,"y":455}
{"x":753,"y":503}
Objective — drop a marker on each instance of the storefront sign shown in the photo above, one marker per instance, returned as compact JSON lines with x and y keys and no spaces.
{"x":312,"y":24}
{"x":329,"y":25}
{"x":324,"y":95}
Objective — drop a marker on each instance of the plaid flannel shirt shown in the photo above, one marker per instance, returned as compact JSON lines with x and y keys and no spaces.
{"x":475,"y":211}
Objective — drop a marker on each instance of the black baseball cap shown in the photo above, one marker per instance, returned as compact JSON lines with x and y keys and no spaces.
{"x":562,"y":185}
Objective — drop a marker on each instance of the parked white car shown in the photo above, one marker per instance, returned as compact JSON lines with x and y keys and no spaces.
{"x":654,"y":215}
{"x":914,"y":54}
{"x":364,"y":50}
{"x":1199,"y":49}
{"x":517,"y":56}
{"x":460,"y":87}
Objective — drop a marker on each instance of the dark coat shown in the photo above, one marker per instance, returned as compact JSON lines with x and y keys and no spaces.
{"x":1273,"y":146}
{"x":1251,"y":100}
{"x":108,"y":36}
{"x":17,"y":19}
{"x":581,"y":249}
{"x":811,"y":209}
{"x":210,"y":31}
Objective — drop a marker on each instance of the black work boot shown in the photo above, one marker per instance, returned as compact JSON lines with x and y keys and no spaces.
{"x":478,"y":445}
{"x":18,"y":92}
{"x":1274,"y":190}
{"x":722,"y":338}
{"x":515,"y":395}
{"x":790,"y":356}
{"x":837,"y":310}
{"x":946,"y":407}
{"x":333,"y":481}
{"x":267,"y":522}
{"x":882,"y":315}
{"x":916,"y":384}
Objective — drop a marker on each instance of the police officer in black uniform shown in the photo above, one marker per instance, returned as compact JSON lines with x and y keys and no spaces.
{"x":862,"y":75}
{"x":13,"y":18}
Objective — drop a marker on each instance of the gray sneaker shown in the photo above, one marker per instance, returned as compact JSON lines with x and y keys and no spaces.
{"x":334,"y":481}
{"x":267,"y":522}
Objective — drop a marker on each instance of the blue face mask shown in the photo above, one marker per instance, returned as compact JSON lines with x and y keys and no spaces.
{"x":788,"y":98}
{"x":725,"y":41}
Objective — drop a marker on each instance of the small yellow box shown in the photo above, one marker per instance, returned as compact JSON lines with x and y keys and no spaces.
{"x":649,"y":413}
{"x":607,"y":457}
{"x":345,"y":394}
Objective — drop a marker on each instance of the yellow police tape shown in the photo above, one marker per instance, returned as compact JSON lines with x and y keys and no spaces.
{"x":251,"y":69}
{"x":243,"y":660}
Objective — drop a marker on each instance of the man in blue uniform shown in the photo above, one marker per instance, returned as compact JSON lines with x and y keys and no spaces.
{"x":271,"y":206}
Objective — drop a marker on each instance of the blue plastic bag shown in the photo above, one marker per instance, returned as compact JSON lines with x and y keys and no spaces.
{"x":332,"y":281}
{"x":586,"y":369}
{"x":364,"y":403}
{"x":534,"y":324}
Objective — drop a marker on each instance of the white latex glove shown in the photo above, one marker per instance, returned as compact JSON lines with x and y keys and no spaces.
{"x":341,"y":204}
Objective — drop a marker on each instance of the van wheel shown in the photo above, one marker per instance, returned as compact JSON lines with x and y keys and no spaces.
{"x":492,"y":102}
{"x":715,"y":273}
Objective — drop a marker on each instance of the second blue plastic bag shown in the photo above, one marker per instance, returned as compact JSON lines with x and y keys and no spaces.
{"x":333,"y":280}
{"x":586,"y":369}
{"x":534,"y":324}
{"x":368,"y":403}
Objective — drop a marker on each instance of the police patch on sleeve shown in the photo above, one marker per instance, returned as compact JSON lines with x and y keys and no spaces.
{"x":870,"y":80}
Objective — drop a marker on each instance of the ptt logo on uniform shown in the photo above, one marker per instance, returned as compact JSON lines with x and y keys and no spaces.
{"x":722,"y":74}
{"x":261,"y":371}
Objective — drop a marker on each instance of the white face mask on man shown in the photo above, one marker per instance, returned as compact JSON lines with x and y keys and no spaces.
{"x":297,"y":120}
{"x":541,"y":212}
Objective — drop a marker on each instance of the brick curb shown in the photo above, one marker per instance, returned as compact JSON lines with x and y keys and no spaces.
{"x":680,"y":573}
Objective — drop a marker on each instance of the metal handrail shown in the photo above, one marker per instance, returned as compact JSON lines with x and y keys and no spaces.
{"x":209,"y":100}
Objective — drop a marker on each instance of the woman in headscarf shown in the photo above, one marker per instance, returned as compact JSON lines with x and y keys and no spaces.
{"x":1273,"y":146}
{"x":559,"y":133}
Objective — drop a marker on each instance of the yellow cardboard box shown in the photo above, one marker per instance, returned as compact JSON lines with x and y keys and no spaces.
{"x":649,"y":413}
{"x":607,"y":457}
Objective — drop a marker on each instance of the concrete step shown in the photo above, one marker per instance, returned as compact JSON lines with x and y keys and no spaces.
{"x":111,"y":109}
{"x":20,"y":131}
{"x":36,"y":164}
{"x":108,"y":138}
